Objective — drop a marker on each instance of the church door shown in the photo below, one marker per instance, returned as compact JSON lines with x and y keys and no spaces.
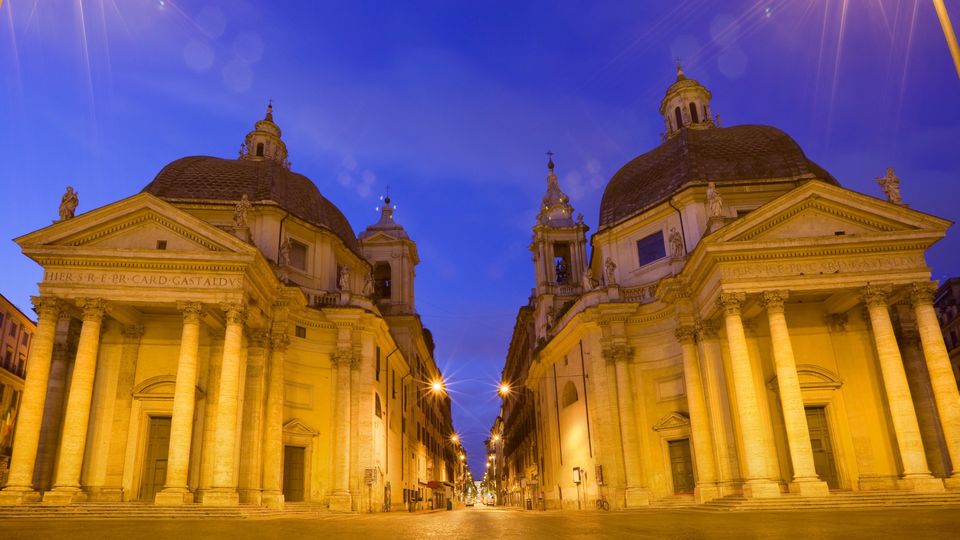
{"x":293,"y":473}
{"x":155,"y":462}
{"x":681,"y":466}
{"x":823,"y":459}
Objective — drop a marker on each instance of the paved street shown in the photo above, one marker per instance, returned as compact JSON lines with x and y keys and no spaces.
{"x":488,"y":523}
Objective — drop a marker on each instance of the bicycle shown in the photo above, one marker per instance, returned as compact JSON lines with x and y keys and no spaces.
{"x":602,"y":503}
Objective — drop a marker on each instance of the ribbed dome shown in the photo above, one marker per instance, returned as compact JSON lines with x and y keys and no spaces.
{"x":204,"y":178}
{"x":734,"y":155}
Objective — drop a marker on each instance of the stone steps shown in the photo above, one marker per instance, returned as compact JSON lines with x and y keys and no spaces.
{"x":840,"y":500}
{"x":133,"y":510}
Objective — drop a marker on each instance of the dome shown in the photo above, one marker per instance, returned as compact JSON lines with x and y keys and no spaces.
{"x":204,"y":178}
{"x":733,"y":155}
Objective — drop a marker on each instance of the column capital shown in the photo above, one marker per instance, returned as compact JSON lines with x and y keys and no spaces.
{"x":132,"y":332}
{"x":922,"y":293}
{"x":279,"y":341}
{"x":773,"y":300}
{"x":342,"y":357}
{"x":685,"y":334}
{"x":875,"y":295}
{"x":731,"y":302}
{"x":707,"y":330}
{"x":47,"y":306}
{"x":93,"y":308}
{"x":191,"y":311}
{"x":616,"y":353}
{"x":258,"y":339}
{"x":236,"y":312}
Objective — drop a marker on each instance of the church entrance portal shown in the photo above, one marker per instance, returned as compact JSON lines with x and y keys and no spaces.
{"x":823,"y":459}
{"x":681,"y":466}
{"x":155,"y":461}
{"x":293,"y":473}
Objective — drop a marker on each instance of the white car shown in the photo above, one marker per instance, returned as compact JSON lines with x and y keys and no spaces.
{"x":470,"y":501}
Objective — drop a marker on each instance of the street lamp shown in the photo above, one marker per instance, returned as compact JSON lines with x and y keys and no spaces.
{"x":436,"y":386}
{"x":454,"y":438}
{"x":504,"y":389}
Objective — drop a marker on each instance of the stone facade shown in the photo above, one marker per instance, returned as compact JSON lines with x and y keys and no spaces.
{"x":16,"y":336}
{"x":789,"y":344}
{"x":210,"y":340}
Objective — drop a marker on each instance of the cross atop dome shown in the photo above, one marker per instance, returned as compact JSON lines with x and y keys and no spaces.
{"x":264,"y":142}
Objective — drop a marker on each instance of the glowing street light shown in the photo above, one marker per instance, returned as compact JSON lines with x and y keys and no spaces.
{"x":455,"y":439}
{"x":496,"y":438}
{"x":436,"y":386}
{"x":504,"y":389}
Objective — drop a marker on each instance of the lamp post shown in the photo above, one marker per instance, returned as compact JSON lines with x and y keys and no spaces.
{"x":948,"y":33}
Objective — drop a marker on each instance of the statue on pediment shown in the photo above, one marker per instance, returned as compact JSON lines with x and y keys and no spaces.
{"x":714,"y":201}
{"x":240,"y":212}
{"x":68,"y":204}
{"x":890,"y":184}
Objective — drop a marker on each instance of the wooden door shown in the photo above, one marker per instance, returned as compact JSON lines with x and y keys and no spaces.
{"x":155,"y":460}
{"x":823,"y":458}
{"x":681,"y":466}
{"x":293,"y":473}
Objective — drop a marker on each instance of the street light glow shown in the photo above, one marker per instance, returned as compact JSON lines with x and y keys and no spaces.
{"x":504,"y":389}
{"x":455,"y":438}
{"x":436,"y":386}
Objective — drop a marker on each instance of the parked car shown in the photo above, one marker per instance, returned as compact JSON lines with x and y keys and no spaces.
{"x":470,"y":501}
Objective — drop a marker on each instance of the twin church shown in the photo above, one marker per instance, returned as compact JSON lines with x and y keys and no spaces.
{"x":741,"y":325}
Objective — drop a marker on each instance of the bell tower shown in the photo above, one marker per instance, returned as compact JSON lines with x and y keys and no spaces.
{"x":559,"y":251}
{"x":393,"y":257}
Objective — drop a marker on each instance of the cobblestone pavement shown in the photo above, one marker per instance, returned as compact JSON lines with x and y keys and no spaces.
{"x":495,"y":523}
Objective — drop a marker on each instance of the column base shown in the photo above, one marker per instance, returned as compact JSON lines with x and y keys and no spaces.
{"x":250,"y":496}
{"x":705,"y":493}
{"x":761,"y":489}
{"x":173,"y":497}
{"x":921,"y":483}
{"x":220,"y":497}
{"x":634,"y":497}
{"x":63,"y":496}
{"x":341,"y":502}
{"x":105,"y":494}
{"x":272,"y":499}
{"x":809,"y":487}
{"x":952,"y":482}
{"x":18,"y":496}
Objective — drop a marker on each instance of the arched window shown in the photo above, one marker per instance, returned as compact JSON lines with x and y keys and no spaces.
{"x":569,"y":396}
{"x":381,"y":280}
{"x":679,"y":117}
{"x":260,"y":149}
{"x":693,"y":114}
{"x":377,"y":408}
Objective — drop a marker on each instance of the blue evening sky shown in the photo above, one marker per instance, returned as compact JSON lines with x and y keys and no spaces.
{"x":453,"y":104}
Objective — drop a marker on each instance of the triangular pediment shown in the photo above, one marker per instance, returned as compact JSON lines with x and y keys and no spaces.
{"x":297,"y":427}
{"x":673,"y":420}
{"x":137,"y":223}
{"x":817,"y":209}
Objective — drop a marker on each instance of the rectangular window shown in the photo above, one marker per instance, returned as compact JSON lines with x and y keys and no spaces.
{"x":13,"y":328}
{"x":300,"y":331}
{"x":161,"y":244}
{"x":651,"y":248}
{"x":298,"y":255}
{"x":26,"y":339}
{"x":378,"y":364}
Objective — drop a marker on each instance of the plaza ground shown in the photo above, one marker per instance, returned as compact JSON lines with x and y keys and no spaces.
{"x":490,"y":523}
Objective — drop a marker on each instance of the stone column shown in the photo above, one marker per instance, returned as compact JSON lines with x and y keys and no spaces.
{"x":805,"y":480}
{"x":340,"y":499}
{"x":755,"y":468}
{"x":20,"y":480}
{"x":273,"y":428}
{"x":706,"y":489}
{"x":717,"y":403}
{"x":635,"y":495}
{"x":250,"y":483}
{"x":175,"y":490}
{"x":123,"y":398}
{"x":941,"y":373}
{"x":223,"y":492}
{"x":916,"y":475}
{"x":66,"y":485}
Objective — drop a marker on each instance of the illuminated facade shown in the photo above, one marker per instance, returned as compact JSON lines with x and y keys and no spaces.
{"x":225,"y":344}
{"x":743,"y":326}
{"x":16,"y":335}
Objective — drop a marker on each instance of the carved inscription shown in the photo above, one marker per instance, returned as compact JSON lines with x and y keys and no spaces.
{"x":836,"y":266}
{"x":135,"y":279}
